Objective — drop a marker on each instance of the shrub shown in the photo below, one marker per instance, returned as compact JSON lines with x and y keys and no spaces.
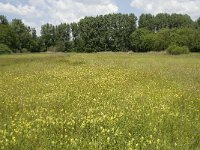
{"x":4,"y":49}
{"x":24,"y":50}
{"x":60,"y":46}
{"x":51,"y":49}
{"x":177,"y":50}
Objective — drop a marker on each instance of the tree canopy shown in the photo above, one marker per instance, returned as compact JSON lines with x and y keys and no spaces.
{"x":111,"y":32}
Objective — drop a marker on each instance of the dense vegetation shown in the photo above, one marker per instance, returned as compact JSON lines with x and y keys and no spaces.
{"x":177,"y":50}
{"x":4,"y":49}
{"x":99,"y":101}
{"x":112,"y":32}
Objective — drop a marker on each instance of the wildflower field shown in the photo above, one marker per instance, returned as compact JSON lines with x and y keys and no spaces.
{"x":100,"y":101}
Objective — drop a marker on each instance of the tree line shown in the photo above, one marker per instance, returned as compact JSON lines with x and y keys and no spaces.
{"x":112,"y":32}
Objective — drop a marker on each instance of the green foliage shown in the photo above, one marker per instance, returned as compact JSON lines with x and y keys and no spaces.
{"x":7,"y":36}
{"x":162,"y":39}
{"x":195,"y":42}
{"x":23,"y":36}
{"x":182,"y":36}
{"x":179,"y":21}
{"x":60,"y":46}
{"x":143,"y":40}
{"x":48,"y":35}
{"x":112,"y":32}
{"x":137,"y":40}
{"x":20,"y":33}
{"x":107,"y":32}
{"x":177,"y":50}
{"x":198,"y":22}
{"x":4,"y":49}
{"x":149,"y":42}
{"x":75,"y":35}
{"x":163,"y":20}
{"x":147,"y":21}
{"x":3,"y":20}
{"x":62,"y":34}
{"x":185,"y":37}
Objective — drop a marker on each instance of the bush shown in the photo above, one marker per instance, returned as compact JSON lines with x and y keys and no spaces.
{"x":4,"y":49}
{"x":24,"y":50}
{"x":51,"y":49}
{"x":60,"y":47}
{"x":177,"y":50}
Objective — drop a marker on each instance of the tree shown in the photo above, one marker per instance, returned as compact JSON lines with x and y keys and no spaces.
{"x":78,"y":44}
{"x":48,"y":35}
{"x":62,"y":35}
{"x":34,"y":43}
{"x":22,"y":35}
{"x":137,"y":40}
{"x":147,"y":21}
{"x":179,"y":20}
{"x":183,"y":37}
{"x":149,"y":41}
{"x":162,"y":41}
{"x":3,"y":20}
{"x":195,"y":42}
{"x":198,"y":22}
{"x":161,"y":21}
{"x":112,"y":32}
{"x":6,"y":35}
{"x":144,"y":40}
{"x":108,"y":32}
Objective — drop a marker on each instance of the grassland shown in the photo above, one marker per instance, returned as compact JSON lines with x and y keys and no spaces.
{"x":100,"y":101}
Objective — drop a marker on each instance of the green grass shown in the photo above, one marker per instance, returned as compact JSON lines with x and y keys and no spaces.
{"x":100,"y":101}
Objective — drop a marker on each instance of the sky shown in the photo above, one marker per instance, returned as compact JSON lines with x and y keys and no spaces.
{"x":35,"y":13}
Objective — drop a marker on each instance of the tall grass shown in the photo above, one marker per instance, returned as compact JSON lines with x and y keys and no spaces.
{"x":100,"y":101}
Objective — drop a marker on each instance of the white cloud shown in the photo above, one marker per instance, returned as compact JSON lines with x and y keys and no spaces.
{"x":190,"y":7}
{"x":38,"y":12}
{"x":19,"y":10}
{"x":73,"y":10}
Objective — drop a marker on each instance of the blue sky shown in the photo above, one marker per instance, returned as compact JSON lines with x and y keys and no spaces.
{"x":125,"y":7}
{"x":37,"y":12}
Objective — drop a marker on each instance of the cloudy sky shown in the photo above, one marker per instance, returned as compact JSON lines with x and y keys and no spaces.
{"x":37,"y":12}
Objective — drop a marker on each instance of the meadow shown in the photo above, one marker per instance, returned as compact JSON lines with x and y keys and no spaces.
{"x":100,"y":101}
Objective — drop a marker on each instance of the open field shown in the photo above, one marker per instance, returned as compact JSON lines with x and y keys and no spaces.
{"x":100,"y":101}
